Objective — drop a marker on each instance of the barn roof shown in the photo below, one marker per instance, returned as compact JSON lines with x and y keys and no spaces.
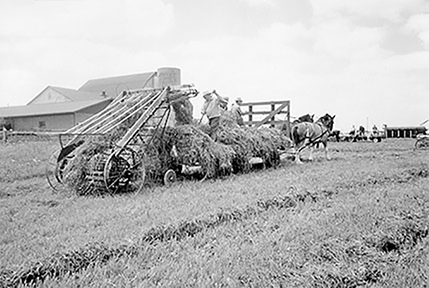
{"x":115,"y":85}
{"x":70,"y":94}
{"x":406,"y":128}
{"x":76,"y":95}
{"x":47,"y":109}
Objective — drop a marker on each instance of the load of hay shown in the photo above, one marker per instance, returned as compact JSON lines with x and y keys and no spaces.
{"x":249,"y":143}
{"x":186,"y":147}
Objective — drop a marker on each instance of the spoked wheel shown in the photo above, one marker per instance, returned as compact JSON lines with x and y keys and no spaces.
{"x":91,"y":181}
{"x":422,"y":143}
{"x":54,"y":171}
{"x":124,"y":172}
{"x":205,"y":176}
{"x":170,"y":177}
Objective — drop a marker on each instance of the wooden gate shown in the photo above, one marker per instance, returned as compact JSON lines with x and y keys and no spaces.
{"x":272,"y":113}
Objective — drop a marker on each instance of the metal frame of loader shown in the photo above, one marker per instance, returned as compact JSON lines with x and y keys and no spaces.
{"x":121,"y":165}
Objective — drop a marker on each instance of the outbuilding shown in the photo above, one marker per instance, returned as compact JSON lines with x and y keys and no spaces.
{"x":58,"y":108}
{"x":404,"y":132}
{"x":50,"y":117}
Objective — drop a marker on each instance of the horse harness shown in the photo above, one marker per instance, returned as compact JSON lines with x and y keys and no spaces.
{"x":317,"y":139}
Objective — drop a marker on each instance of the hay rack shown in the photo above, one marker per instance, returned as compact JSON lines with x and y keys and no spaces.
{"x":136,"y":116}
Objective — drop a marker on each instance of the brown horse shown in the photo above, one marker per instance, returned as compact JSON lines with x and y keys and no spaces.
{"x":308,"y":134}
{"x":304,"y":118}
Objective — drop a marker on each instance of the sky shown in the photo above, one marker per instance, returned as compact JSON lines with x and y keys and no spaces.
{"x":365,"y":61}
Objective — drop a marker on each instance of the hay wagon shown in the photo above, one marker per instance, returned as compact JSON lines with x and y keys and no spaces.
{"x":133,"y":118}
{"x":272,"y":113}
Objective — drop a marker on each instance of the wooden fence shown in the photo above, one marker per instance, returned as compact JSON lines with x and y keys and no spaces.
{"x":22,"y":136}
{"x":272,"y":113}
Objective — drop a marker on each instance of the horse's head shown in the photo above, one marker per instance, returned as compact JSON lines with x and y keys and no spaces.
{"x":306,"y":118}
{"x":327,"y":120}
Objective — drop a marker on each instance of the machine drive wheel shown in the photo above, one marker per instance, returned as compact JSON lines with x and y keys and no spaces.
{"x":124,"y":172}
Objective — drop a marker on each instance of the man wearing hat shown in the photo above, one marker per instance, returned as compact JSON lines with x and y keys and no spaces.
{"x":212,"y":109}
{"x":223,"y":103}
{"x":236,"y":111}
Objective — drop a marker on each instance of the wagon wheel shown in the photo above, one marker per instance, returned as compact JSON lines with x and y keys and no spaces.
{"x":91,"y":180}
{"x":124,"y":171}
{"x":170,"y":177}
{"x":54,"y":171}
{"x":205,"y":177}
{"x":418,"y":144}
{"x":422,"y":143}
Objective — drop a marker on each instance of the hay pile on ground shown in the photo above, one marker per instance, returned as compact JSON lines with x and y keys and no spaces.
{"x":184,"y":146}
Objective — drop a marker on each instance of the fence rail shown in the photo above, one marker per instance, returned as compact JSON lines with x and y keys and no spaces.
{"x":21,"y":136}
{"x":254,"y":111}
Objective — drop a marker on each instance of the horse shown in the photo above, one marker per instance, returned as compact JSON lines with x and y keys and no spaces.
{"x":307,"y":134}
{"x":304,"y":118}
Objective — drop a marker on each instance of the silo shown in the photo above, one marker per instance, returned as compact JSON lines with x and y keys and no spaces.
{"x":167,"y":76}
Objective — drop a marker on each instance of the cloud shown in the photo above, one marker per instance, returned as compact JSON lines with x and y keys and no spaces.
{"x":93,"y":19}
{"x":339,"y":38}
{"x":325,"y":64}
{"x":259,"y":2}
{"x":420,"y":24}
{"x":65,"y":43}
{"x":333,"y":67}
{"x":12,"y":80}
{"x":394,"y":10}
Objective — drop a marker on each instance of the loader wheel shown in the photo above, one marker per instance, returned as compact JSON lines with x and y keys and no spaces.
{"x":124,"y":172}
{"x":54,"y":171}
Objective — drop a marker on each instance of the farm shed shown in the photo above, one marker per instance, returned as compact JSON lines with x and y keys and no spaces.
{"x":52,"y":116}
{"x":404,"y":132}
{"x":112,"y":86}
{"x":58,"y":109}
{"x":52,"y":94}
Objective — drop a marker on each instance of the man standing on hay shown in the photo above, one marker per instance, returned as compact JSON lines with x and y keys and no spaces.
{"x":212,"y":108}
{"x":236,"y":111}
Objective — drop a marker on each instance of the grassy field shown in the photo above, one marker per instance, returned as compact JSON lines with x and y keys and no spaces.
{"x":360,"y":219}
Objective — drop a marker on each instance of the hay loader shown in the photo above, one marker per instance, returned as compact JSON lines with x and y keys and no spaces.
{"x":135,"y":116}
